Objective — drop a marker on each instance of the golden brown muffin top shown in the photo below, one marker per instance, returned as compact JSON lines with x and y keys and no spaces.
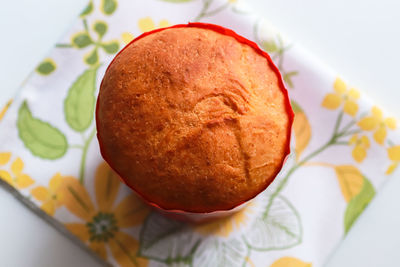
{"x":193,"y":120}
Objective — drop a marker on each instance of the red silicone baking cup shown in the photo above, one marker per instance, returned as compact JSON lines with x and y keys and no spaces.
{"x":206,"y":216}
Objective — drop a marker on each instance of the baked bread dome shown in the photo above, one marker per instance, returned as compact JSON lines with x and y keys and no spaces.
{"x":194,"y":118}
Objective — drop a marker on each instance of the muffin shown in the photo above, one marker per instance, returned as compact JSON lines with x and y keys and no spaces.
{"x":194,"y":118}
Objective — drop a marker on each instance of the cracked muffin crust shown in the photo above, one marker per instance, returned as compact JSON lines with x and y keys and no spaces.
{"x":194,"y":119}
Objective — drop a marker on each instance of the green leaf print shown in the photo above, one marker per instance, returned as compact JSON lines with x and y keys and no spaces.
{"x":85,"y":39}
{"x":279,"y":227}
{"x":270,"y":46}
{"x":108,"y":6}
{"x":81,"y":40}
{"x":42,"y":139}
{"x":88,"y":9}
{"x":357,"y":205}
{"x":46,"y":67}
{"x":80,"y":102}
{"x":166,"y":240}
{"x":207,"y":10}
{"x":100,"y":27}
{"x":287,"y":77}
{"x":92,"y":58}
{"x":214,"y":252}
{"x":277,"y":49}
{"x":111,"y":47}
{"x":296,"y":107}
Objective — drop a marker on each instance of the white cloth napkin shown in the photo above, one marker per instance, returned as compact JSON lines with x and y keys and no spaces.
{"x":344,"y":149}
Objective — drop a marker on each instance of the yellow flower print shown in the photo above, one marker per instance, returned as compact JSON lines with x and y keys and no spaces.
{"x":102,"y":225}
{"x":376,"y":122}
{"x":361,"y":145}
{"x":50,"y":197}
{"x":394,"y":156}
{"x":147,"y":24}
{"x":342,"y":95}
{"x":225,"y":226}
{"x":16,"y":178}
{"x":5,"y":157}
{"x":5,"y":108}
{"x":290,"y":262}
{"x":127,"y":37}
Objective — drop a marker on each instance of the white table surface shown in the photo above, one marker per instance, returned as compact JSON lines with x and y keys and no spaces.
{"x":359,"y":38}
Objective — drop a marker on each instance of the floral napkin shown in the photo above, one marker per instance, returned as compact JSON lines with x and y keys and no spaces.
{"x":344,"y":149}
